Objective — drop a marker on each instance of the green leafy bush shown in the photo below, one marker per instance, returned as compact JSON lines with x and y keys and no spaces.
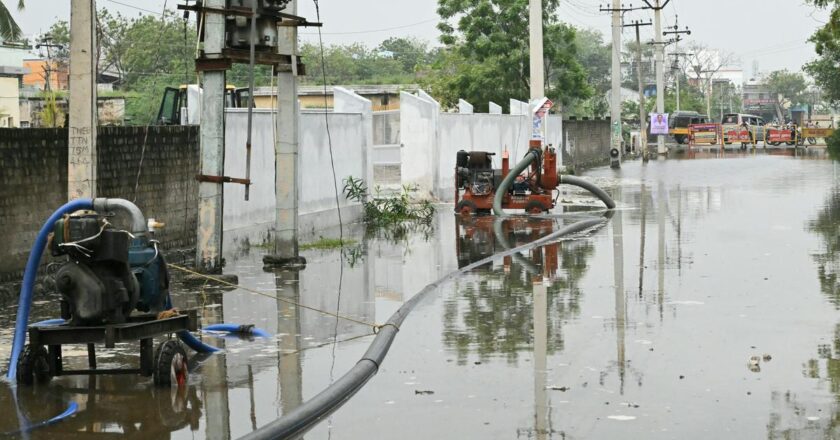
{"x":382,"y":210}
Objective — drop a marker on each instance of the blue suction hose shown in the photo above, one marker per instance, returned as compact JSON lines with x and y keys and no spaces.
{"x":25,"y":300}
{"x":27,"y":426}
{"x":238,"y":329}
{"x":191,"y":341}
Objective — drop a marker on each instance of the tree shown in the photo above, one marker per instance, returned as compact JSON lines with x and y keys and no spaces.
{"x":487,"y":57}
{"x":596,"y":58}
{"x":786,"y":89}
{"x":411,"y":53}
{"x":9,"y":29}
{"x":393,"y":62}
{"x":827,"y":45}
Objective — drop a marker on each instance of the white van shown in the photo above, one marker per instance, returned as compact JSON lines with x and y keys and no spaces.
{"x":754,"y":123}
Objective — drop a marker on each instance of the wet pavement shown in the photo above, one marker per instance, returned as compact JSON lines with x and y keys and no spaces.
{"x":707,"y":307}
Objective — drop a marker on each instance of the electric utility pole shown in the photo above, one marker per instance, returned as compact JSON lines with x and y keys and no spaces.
{"x":286,"y":149}
{"x":660,"y":57}
{"x":212,"y":139}
{"x":642,"y":111}
{"x":709,"y":74}
{"x":81,"y":159}
{"x":675,"y":30}
{"x":46,"y":42}
{"x":535,"y":28}
{"x":617,"y":10}
{"x":253,"y":32}
{"x":679,"y":70}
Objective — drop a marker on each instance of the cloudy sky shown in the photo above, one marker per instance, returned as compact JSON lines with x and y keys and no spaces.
{"x":771,"y":33}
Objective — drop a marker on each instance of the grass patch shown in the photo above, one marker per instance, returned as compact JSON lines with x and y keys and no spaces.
{"x":327,"y":243}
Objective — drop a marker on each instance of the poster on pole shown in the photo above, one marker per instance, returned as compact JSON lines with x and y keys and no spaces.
{"x":659,"y":123}
{"x":540,"y":112}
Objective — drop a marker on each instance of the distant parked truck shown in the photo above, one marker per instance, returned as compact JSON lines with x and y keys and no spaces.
{"x":181,"y":106}
{"x":679,"y":122}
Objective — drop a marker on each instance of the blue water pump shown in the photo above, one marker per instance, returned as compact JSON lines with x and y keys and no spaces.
{"x":108,"y":272}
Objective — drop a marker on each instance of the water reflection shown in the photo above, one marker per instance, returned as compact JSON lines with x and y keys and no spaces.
{"x":827,"y":226}
{"x":821,"y":419}
{"x":491,"y":313}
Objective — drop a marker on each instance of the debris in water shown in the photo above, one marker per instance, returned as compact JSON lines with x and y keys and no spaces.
{"x":622,"y":418}
{"x":556,"y":388}
{"x":813,"y":418}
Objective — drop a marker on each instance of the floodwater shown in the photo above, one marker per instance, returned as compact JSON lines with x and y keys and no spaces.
{"x":708,"y":306}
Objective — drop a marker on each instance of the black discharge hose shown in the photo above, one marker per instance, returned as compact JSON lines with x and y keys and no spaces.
{"x":523,"y":164}
{"x":534,"y":155}
{"x":306,"y":416}
{"x":589,"y":186}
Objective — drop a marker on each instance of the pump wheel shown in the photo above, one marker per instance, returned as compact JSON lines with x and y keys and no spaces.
{"x":170,"y":364}
{"x":33,"y":366}
{"x":534,"y":207}
{"x":466,"y":207}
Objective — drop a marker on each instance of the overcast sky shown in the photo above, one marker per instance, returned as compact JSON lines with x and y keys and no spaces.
{"x":773,"y":33}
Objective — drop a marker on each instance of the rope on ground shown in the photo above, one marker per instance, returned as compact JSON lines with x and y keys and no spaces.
{"x":373,"y":325}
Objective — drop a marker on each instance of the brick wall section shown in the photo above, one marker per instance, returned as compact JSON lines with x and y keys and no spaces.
{"x":33,"y":182}
{"x":590,"y":142}
{"x":167,"y":191}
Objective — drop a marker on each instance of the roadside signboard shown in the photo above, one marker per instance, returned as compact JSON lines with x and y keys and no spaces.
{"x":817,"y":132}
{"x":703,"y":134}
{"x":659,"y":123}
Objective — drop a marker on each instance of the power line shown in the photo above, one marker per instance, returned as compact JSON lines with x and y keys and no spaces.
{"x":139,"y":8}
{"x":370,"y":31}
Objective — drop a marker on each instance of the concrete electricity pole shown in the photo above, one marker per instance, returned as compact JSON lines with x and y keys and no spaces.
{"x":212,"y":134}
{"x":536,"y":46}
{"x":615,"y":101}
{"x":642,"y":110}
{"x":81,"y":159}
{"x":286,"y":147}
{"x":660,"y":61}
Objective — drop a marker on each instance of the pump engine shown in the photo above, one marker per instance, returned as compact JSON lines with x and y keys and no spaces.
{"x":476,"y":182}
{"x":108,"y":273}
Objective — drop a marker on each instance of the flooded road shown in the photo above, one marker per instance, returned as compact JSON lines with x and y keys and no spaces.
{"x":707,"y":307}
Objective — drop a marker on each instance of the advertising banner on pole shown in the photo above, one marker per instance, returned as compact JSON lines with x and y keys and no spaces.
{"x":540,"y":113}
{"x":659,"y":123}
